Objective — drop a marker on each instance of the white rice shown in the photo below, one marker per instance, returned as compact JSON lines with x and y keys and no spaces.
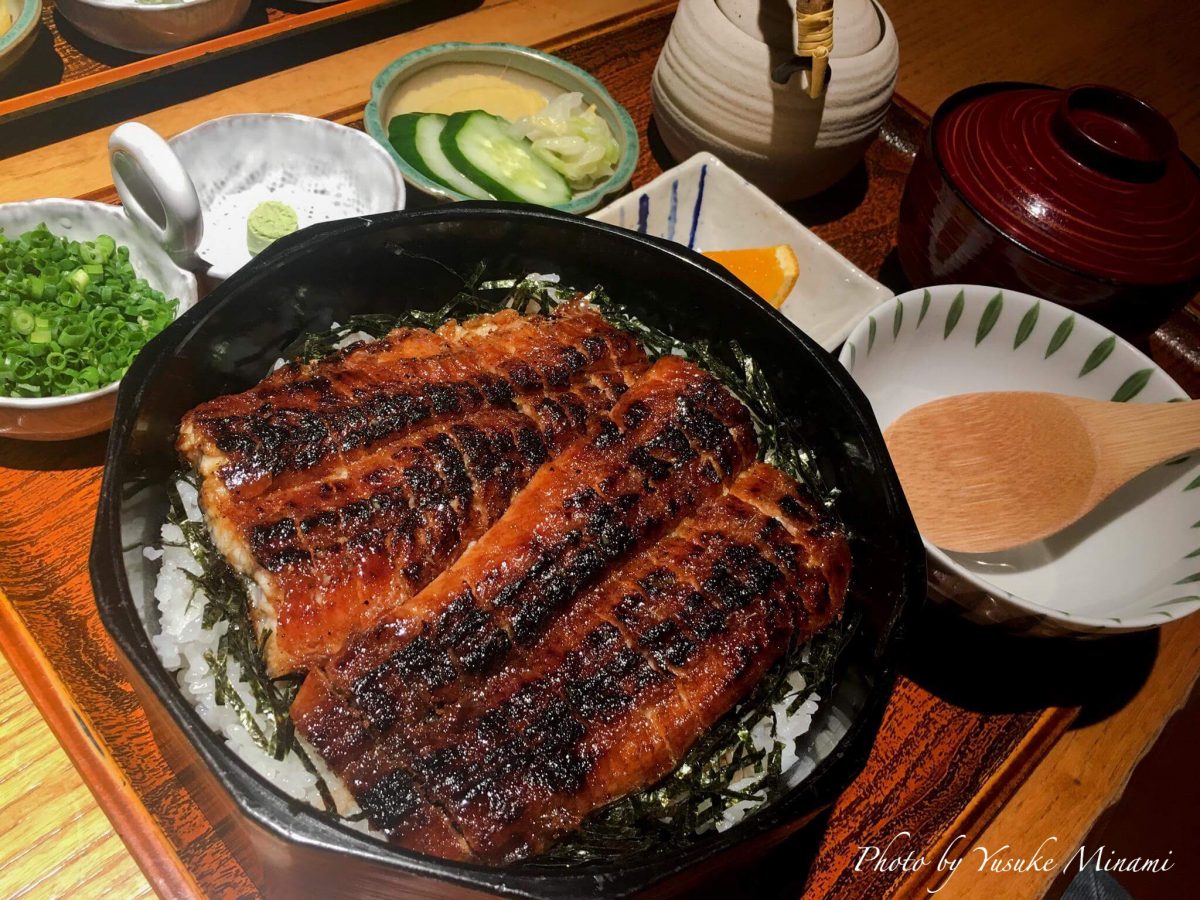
{"x":182,"y":643}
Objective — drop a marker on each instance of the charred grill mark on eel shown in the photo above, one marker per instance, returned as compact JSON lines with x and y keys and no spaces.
{"x":680,"y":440}
{"x":619,"y":687}
{"x":419,"y":468}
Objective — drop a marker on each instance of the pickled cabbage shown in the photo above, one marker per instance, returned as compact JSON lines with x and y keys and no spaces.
{"x":572,"y":138}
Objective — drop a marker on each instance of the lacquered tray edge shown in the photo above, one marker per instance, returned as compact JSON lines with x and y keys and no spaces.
{"x":957,"y":839}
{"x":161,"y":63}
{"x":139,"y":830}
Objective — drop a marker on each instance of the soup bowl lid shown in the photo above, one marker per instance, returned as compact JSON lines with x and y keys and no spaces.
{"x":1089,"y":177}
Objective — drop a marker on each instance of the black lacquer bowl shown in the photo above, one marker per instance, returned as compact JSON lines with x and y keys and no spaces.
{"x":329,"y":272}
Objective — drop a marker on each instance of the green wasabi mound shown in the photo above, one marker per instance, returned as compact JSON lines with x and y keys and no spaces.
{"x":268,"y":222}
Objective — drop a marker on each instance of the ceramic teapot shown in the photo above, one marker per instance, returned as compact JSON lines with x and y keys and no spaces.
{"x":717,"y":87}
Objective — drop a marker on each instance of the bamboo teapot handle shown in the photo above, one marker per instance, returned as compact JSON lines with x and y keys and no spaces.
{"x":814,"y":39}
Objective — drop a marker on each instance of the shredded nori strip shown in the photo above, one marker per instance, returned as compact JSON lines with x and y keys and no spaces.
{"x":228,"y":600}
{"x":697,"y":793}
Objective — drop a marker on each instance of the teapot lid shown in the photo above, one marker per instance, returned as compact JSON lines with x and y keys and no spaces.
{"x":857,"y":24}
{"x":1090,"y":177}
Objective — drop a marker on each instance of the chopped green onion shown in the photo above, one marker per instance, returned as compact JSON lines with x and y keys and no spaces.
{"x":73,"y":314}
{"x":22,"y":321}
{"x":73,"y":335}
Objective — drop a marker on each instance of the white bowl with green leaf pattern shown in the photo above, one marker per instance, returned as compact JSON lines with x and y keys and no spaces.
{"x":1134,"y":562}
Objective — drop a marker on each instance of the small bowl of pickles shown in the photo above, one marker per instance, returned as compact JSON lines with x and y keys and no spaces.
{"x":82,"y":290}
{"x":498,"y":121}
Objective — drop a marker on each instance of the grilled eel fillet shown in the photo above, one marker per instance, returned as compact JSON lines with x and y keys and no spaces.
{"x":343,"y":487}
{"x":632,"y":594}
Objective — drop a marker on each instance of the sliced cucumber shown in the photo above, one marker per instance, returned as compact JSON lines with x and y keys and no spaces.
{"x":478,"y":145}
{"x":416,"y":138}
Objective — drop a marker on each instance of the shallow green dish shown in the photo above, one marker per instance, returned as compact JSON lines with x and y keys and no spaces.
{"x":523,"y":59}
{"x":26,"y":16}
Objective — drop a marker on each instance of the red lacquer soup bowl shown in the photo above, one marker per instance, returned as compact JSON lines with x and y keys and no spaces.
{"x":1079,"y":195}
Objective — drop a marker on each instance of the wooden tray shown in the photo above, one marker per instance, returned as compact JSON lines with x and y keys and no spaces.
{"x":965,"y":726}
{"x":65,"y":64}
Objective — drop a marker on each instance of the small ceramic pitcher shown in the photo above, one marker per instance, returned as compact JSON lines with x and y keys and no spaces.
{"x":713,"y":90}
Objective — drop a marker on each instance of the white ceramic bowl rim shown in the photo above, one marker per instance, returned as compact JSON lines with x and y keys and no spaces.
{"x":57,"y":400}
{"x":1100,"y":623}
{"x":69,"y":399}
{"x":627,"y":137}
{"x":333,"y":127}
{"x":343,"y":131}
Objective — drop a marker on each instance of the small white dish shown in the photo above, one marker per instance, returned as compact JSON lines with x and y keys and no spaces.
{"x":152,"y":27}
{"x":1134,"y":562}
{"x":79,"y":415}
{"x":197,"y":190}
{"x":26,"y":16}
{"x":705,"y":205}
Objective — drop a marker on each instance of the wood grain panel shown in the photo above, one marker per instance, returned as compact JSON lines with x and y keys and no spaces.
{"x":917,"y":783}
{"x":56,"y":840}
{"x":66,"y":818}
{"x":1085,"y":775}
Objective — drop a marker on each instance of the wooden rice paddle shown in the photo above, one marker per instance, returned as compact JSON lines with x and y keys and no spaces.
{"x":986,"y":472}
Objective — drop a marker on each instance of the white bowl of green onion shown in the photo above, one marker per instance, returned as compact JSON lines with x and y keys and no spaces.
{"x":82,"y":290}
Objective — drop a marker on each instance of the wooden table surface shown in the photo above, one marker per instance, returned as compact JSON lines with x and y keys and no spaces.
{"x":58,"y":842}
